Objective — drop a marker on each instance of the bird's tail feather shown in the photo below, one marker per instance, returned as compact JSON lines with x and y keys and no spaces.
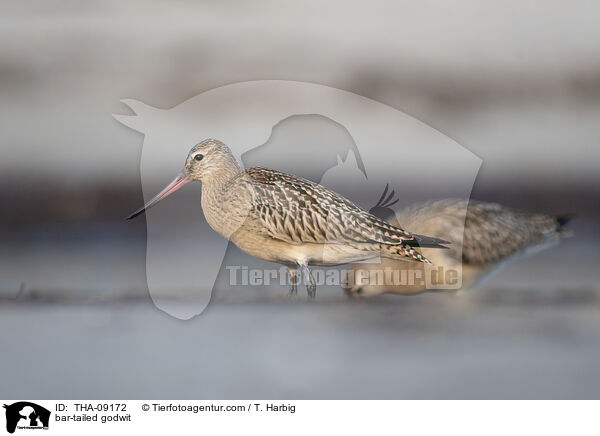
{"x":427,"y":242}
{"x":562,"y":222}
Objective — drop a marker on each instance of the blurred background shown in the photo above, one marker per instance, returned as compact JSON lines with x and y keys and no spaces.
{"x":517,"y":83}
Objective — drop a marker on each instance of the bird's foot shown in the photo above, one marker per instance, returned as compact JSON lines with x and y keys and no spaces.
{"x":311,"y":287}
{"x":311,"y":290}
{"x":293,"y":283}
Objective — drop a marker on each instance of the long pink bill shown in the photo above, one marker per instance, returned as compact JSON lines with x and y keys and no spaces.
{"x":177,"y":183}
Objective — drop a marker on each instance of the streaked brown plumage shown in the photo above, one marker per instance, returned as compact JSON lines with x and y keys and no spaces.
{"x":286,"y":219}
{"x":482,"y":235}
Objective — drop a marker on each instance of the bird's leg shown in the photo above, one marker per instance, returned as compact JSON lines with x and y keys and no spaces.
{"x":311,"y":287}
{"x":293,"y":281}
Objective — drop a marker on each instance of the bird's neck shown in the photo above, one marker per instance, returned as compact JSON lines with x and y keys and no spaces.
{"x":216,"y":190}
{"x":218,"y":179}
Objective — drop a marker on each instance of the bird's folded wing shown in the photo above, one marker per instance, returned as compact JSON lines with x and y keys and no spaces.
{"x":295,"y":210}
{"x":493,"y":232}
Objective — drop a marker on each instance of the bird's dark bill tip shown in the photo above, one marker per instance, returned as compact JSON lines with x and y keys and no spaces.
{"x":136,"y":213}
{"x":177,"y":183}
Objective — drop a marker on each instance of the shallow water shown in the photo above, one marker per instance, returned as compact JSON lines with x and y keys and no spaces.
{"x":90,"y":330}
{"x":434,"y":346}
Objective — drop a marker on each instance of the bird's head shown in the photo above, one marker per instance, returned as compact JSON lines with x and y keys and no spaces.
{"x":207,"y":160}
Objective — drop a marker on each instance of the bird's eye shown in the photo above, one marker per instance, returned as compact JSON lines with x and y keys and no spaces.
{"x":198,"y":157}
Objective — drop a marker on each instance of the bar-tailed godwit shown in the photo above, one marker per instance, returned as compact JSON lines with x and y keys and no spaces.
{"x":483,"y":237}
{"x":285,"y":219}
